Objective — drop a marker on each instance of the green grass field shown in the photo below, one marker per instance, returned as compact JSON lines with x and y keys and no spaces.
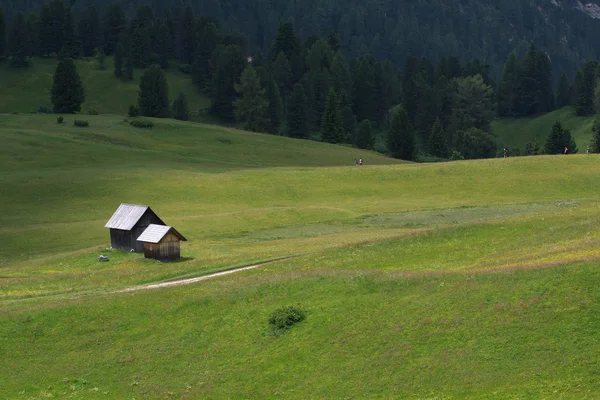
{"x":518,"y":132}
{"x":25,"y":90}
{"x":471,"y":279}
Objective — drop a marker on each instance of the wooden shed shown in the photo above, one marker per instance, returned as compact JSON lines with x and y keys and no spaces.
{"x":128,"y":223}
{"x":161,"y":242}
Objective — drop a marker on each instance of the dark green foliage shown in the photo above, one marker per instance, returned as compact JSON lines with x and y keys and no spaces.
{"x":89,"y":31}
{"x":473,"y":105}
{"x":401,"y":138}
{"x":456,"y":156}
{"x":297,"y":113}
{"x":331,"y":125}
{"x":180,"y":109}
{"x":153,"y":99}
{"x":364,"y":101}
{"x":275,"y":108}
{"x":341,"y":77}
{"x":532,"y":149}
{"x":140,"y":51}
{"x":71,"y":47}
{"x":286,"y":41}
{"x":208,"y":40}
{"x":52,"y":27}
{"x":364,"y":135}
{"x":227,"y":64}
{"x":348,"y":118}
{"x":134,"y":111}
{"x":474,"y":143}
{"x":44,"y":110}
{"x":535,"y":94}
{"x":595,"y":144}
{"x":81,"y":123}
{"x":119,"y":60}
{"x":60,"y":120}
{"x":18,"y":42}
{"x":506,"y":96}
{"x":437,"y":141}
{"x":128,"y":68}
{"x":251,"y":105}
{"x":101,"y":59}
{"x":585,"y":88}
{"x":67,"y":90}
{"x":563,"y":92}
{"x":2,"y":34}
{"x":282,"y":73}
{"x":284,"y":318}
{"x":137,"y":123}
{"x":558,"y":139}
{"x":186,"y":36}
{"x":114,"y":23}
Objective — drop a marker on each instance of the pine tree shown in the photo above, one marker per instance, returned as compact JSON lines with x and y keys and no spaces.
{"x":181,"y":109}
{"x":364,"y":102}
{"x":558,"y":139}
{"x":437,"y":141}
{"x":535,"y":93}
{"x":286,"y":41}
{"x":128,"y":68}
{"x":45,"y":39}
{"x":297,"y":113}
{"x":71,"y":48}
{"x":227,"y":65}
{"x":331,"y":125}
{"x":114,"y":24}
{"x":18,"y":42}
{"x":89,"y":31}
{"x":119,"y":56}
{"x":341,"y":77}
{"x":186,"y":36}
{"x":275,"y":109}
{"x":209,"y":39}
{"x":251,"y":106}
{"x":563,"y":92}
{"x":474,"y":143}
{"x":507,"y":89}
{"x":67,"y":90}
{"x":348,"y":118}
{"x":153,"y":99}
{"x":364,"y":135}
{"x":140,"y":50}
{"x":317,"y":84}
{"x":585,"y":90}
{"x":473,"y":104}
{"x":282,"y":73}
{"x":595,"y":148}
{"x":401,"y":139}
{"x":2,"y":34}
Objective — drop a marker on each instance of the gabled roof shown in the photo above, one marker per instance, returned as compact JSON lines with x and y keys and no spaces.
{"x":154,"y":233}
{"x":126,"y":216}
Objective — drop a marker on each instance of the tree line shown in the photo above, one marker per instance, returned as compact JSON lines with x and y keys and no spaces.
{"x":307,"y":87}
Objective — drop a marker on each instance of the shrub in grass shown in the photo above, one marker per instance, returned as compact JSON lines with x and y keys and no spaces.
{"x":284,"y":318}
{"x":81,"y":123}
{"x":141,"y":124}
{"x":134,"y":111}
{"x":60,"y":120}
{"x":44,"y":110}
{"x":93,"y":112}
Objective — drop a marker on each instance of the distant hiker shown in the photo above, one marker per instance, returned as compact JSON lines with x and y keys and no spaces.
{"x":355,"y":162}
{"x":505,"y":153}
{"x":566,"y":150}
{"x":360,"y":162}
{"x":588,"y":149}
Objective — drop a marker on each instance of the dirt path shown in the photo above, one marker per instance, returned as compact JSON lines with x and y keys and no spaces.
{"x":187,"y":281}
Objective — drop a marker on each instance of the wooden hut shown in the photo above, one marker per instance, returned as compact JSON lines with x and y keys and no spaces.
{"x":161,"y":242}
{"x":128,"y":223}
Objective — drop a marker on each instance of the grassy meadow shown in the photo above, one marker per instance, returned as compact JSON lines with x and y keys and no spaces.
{"x":471,"y":279}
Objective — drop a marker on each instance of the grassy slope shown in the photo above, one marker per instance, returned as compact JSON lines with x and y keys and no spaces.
{"x":24,"y":90}
{"x":518,"y":132}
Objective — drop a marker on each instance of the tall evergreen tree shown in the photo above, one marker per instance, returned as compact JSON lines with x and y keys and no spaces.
{"x":153,"y":98}
{"x":18,"y":42}
{"x":444,"y":93}
{"x":382,"y":93}
{"x":89,"y":31}
{"x":59,"y":25}
{"x":140,"y":51}
{"x":45,"y":45}
{"x":227,"y":65}
{"x":473,"y":105}
{"x":595,"y":147}
{"x":364,"y":102}
{"x":297,"y":113}
{"x":364,"y":135}
{"x":401,"y":140}
{"x":181,"y":110}
{"x":585,"y":88}
{"x":71,"y":48}
{"x":128,"y":68}
{"x":427,"y":107}
{"x":563,"y":92}
{"x":535,"y":94}
{"x":209,"y":38}
{"x":507,"y":89}
{"x":67,"y":93}
{"x":558,"y":139}
{"x":275,"y":108}
{"x":282,"y":73}
{"x":410,"y":96}
{"x":2,"y":34}
{"x":348,"y":118}
{"x":474,"y":143}
{"x":251,"y":106}
{"x":341,"y":76}
{"x":437,"y":141}
{"x":186,"y":36}
{"x":286,"y":41}
{"x":331,"y":125}
{"x":114,"y":23}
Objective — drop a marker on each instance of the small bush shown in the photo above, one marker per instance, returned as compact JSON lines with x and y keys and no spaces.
{"x":81,"y":123}
{"x":456,"y":155}
{"x":185,"y":68}
{"x":134,"y":111}
{"x":284,"y":318}
{"x":141,"y":124}
{"x":60,"y":120}
{"x":44,"y":110}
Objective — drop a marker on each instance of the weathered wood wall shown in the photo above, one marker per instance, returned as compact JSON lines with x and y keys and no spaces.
{"x":127,"y":240}
{"x":162,"y":251}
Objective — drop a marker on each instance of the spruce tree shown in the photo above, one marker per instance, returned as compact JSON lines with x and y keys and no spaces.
{"x":364,"y":135}
{"x":437,"y":141}
{"x":275,"y":108}
{"x":297,"y":113}
{"x":18,"y":42}
{"x":348,"y":118}
{"x":282,"y":73}
{"x":186,"y":36}
{"x":563,"y":92}
{"x":595,"y":147}
{"x":364,"y":101}
{"x":153,"y":98}
{"x":558,"y":139}
{"x":401,"y":139}
{"x":140,"y":50}
{"x":250,"y":106}
{"x":114,"y":24}
{"x":71,"y":48}
{"x":2,"y":34}
{"x":507,"y":89}
{"x":341,"y":77}
{"x":128,"y":68}
{"x":89,"y":31}
{"x":208,"y":40}
{"x":45,"y":46}
{"x":67,"y":90}
{"x":331,"y":125}
{"x":227,"y":65}
{"x":119,"y":60}
{"x":585,"y":90}
{"x":181,"y":109}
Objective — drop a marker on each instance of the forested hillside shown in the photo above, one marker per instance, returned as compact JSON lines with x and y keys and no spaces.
{"x":393,"y":29}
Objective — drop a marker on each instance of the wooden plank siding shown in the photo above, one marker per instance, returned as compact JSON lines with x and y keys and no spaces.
{"x":127,"y":240}
{"x":167,"y":249}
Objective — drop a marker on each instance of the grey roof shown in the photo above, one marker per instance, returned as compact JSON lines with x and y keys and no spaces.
{"x":154,"y":233}
{"x":126,"y":216}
